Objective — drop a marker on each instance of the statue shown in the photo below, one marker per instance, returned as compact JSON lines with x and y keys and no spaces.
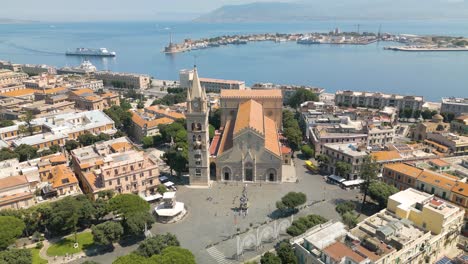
{"x":244,"y":203}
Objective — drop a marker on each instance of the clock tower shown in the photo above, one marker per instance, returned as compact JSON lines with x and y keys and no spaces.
{"x":198,"y":133}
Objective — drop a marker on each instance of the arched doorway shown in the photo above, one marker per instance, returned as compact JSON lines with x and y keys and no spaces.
{"x":271,"y":175}
{"x":213,"y":171}
{"x":226,"y":174}
{"x":248,"y":171}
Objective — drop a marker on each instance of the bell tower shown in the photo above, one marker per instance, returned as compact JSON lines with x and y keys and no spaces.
{"x":198,"y":133}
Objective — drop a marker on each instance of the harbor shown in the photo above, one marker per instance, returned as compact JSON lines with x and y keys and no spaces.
{"x":425,"y":48}
{"x":335,"y":37}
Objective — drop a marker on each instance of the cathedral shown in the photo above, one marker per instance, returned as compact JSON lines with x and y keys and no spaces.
{"x":247,"y":147}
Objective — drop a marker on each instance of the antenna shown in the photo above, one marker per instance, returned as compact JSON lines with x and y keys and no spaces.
{"x":379,"y":33}
{"x":170,"y":38}
{"x":195,"y":61}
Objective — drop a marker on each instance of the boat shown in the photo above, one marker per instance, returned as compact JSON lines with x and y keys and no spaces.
{"x":102,"y":52}
{"x":308,"y":40}
{"x":239,"y":42}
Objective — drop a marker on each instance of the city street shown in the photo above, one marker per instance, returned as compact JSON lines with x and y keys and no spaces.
{"x":211,"y":216}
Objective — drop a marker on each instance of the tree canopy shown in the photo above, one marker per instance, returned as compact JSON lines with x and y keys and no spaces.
{"x":290,"y":201}
{"x":174,"y":255}
{"x":270,"y":258}
{"x":10,"y":229}
{"x":134,"y":211}
{"x":343,"y":168}
{"x":380,"y":191}
{"x":307,"y":151}
{"x":6,"y":123}
{"x":369,"y":172}
{"x":291,"y":129}
{"x":26,"y":152}
{"x":300,"y":96}
{"x":16,"y":256}
{"x":286,"y":253}
{"x":156,"y":244}
{"x":107,"y":233}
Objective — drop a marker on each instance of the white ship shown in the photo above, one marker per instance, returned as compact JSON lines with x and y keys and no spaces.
{"x":102,"y":52}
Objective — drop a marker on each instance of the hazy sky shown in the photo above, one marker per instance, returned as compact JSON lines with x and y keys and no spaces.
{"x":67,"y":10}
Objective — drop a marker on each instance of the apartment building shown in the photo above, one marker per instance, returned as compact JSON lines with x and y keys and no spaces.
{"x":456,"y":106}
{"x":452,"y":143}
{"x":56,"y":130}
{"x":124,"y":80}
{"x":145,"y":124}
{"x":8,"y":77}
{"x":115,"y":165}
{"x":415,"y":228}
{"x":378,"y":100}
{"x":348,"y":153}
{"x":15,"y":192}
{"x":86,"y":99}
{"x":210,"y":85}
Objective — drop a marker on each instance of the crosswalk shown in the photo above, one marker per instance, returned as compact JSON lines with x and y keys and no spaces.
{"x":218,"y":256}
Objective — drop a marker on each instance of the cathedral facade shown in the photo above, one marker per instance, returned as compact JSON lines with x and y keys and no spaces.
{"x":247,"y":147}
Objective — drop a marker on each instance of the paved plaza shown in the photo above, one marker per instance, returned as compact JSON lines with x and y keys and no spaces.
{"x":212,"y":218}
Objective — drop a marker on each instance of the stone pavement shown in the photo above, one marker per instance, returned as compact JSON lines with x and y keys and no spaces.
{"x":212,"y":217}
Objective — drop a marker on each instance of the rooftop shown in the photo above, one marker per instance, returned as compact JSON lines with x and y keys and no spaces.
{"x":251,"y":94}
{"x":347,"y":149}
{"x":405,"y":169}
{"x":381,"y":95}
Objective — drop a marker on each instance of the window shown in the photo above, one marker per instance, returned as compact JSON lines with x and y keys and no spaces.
{"x":126,"y":178}
{"x":118,"y":181}
{"x":110,"y":183}
{"x":116,"y":172}
{"x":134,"y":177}
{"x":198,"y":172}
{"x":198,"y":163}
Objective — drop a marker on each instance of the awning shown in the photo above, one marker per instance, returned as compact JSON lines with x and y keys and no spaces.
{"x":352,"y":182}
{"x":336,"y":178}
{"x":163,"y":178}
{"x":169,"y":184}
{"x":152,"y":197}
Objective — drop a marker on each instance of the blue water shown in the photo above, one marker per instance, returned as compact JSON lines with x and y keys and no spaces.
{"x":139,"y":45}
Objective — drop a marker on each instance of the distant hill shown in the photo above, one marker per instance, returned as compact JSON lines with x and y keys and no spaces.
{"x":339,"y":9}
{"x":14,"y":21}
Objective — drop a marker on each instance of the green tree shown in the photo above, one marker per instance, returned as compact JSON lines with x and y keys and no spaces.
{"x":379,"y":191}
{"x":140,"y":105}
{"x":63,"y":216}
{"x":343,"y":168}
{"x":26,"y":152}
{"x":174,"y":255}
{"x":417,"y":113}
{"x":448,"y":117}
{"x":156,"y":244}
{"x":407,"y":112}
{"x":16,"y":256}
{"x":426,"y":114}
{"x":6,"y":123}
{"x":87,"y":139}
{"x":290,"y":201}
{"x":161,"y":188}
{"x":147,"y":142}
{"x":300,"y":96}
{"x":10,"y":229}
{"x":28,"y":118}
{"x":177,"y":158}
{"x":369,"y":171}
{"x":121,"y":116}
{"x":134,"y":211}
{"x":302,"y":224}
{"x":131,"y":259}
{"x":215,"y":118}
{"x":307,"y":151}
{"x":286,"y":253}
{"x":345,"y":207}
{"x":71,"y":145}
{"x":323,"y":161}
{"x":107,"y":233}
{"x":270,"y":258}
{"x":211,"y":131}
{"x":6,"y":153}
{"x":350,"y":219}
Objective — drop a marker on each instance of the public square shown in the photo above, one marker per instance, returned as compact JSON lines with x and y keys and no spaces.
{"x":212,"y":218}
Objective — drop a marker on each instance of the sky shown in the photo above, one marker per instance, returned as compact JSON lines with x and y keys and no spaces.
{"x":82,"y":10}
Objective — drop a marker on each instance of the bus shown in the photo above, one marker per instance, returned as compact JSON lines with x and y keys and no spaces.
{"x":310,"y":166}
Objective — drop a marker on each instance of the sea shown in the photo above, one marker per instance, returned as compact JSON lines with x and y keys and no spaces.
{"x":139,"y":48}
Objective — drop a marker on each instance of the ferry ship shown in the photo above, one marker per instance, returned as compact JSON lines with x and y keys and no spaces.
{"x":102,"y":52}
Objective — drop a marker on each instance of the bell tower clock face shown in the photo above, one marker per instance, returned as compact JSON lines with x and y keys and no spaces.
{"x":196,"y":106}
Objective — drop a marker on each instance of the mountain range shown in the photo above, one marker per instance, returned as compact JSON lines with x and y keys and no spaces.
{"x":339,"y":10}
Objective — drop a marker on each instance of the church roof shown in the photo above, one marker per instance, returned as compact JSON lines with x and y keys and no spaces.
{"x":271,"y":136}
{"x":251,"y":94}
{"x":249,"y":114}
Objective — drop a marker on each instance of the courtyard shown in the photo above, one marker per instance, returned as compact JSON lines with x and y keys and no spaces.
{"x":212,"y":218}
